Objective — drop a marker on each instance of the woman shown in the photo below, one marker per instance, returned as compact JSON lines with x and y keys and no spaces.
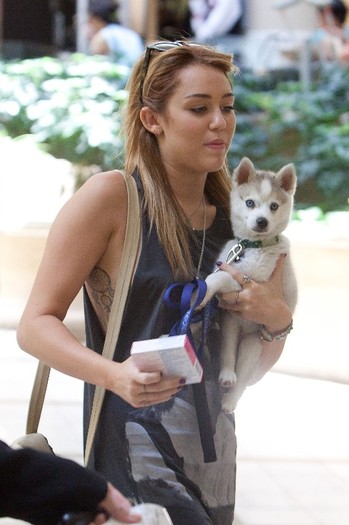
{"x":107,"y":37}
{"x":329,"y":39}
{"x":158,"y":440}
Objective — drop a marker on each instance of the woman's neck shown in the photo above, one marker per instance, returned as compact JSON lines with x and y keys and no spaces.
{"x":188,"y":188}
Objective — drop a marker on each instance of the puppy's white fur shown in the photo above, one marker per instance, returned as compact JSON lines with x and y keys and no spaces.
{"x":261,"y":205}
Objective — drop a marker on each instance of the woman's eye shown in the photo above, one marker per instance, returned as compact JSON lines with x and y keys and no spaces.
{"x":250,"y":203}
{"x":228,"y":109}
{"x":274,"y":206}
{"x":200,"y":109}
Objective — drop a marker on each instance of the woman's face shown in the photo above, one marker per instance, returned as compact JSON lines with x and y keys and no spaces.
{"x":199,"y":121}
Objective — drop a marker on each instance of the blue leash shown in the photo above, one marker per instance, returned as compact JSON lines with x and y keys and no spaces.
{"x":186,"y":298}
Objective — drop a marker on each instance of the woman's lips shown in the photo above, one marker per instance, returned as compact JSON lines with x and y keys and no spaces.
{"x":216,"y":144}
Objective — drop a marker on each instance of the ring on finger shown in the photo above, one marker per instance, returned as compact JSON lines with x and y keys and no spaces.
{"x":246,"y":279}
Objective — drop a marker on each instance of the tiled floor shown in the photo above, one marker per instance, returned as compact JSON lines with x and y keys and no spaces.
{"x":293,"y":435}
{"x":293,"y":461}
{"x":292,"y":427}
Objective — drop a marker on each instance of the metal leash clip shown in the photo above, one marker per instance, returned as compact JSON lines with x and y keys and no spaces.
{"x":234,"y":253}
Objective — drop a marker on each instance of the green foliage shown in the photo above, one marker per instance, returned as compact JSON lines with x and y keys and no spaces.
{"x":278,"y":123}
{"x":74,"y":108}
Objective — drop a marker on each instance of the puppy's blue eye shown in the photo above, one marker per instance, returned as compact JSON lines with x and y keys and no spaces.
{"x":250,"y":203}
{"x":274,"y":206}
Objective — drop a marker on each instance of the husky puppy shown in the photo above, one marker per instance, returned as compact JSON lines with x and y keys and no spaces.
{"x":261,"y":205}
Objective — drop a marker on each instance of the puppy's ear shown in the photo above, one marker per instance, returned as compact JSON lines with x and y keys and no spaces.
{"x":244,"y":172}
{"x":286,"y":178}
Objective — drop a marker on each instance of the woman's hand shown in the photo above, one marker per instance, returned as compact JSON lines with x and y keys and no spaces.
{"x":115,"y":506}
{"x":139,"y":388}
{"x":262,"y":303}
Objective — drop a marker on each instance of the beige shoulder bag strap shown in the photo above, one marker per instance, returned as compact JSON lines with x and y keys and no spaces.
{"x":129,"y":260}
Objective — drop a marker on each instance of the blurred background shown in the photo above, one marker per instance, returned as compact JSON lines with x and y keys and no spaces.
{"x":61,"y":100}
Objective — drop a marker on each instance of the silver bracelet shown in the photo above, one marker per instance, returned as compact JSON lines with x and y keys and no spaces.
{"x":276,"y":336}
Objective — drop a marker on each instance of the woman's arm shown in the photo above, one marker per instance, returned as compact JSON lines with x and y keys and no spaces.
{"x":264,"y":304}
{"x":80,"y":238}
{"x":98,"y":45}
{"x":88,"y":232}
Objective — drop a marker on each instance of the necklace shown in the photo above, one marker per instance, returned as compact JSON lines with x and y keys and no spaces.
{"x":203,"y":243}
{"x":196,"y":209}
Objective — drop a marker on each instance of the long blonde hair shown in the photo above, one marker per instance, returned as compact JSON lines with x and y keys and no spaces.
{"x":142,"y":151}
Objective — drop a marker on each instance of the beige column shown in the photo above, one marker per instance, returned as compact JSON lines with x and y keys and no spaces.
{"x":1,"y":25}
{"x":143,"y":18}
{"x":346,"y":23}
{"x":81,"y":21}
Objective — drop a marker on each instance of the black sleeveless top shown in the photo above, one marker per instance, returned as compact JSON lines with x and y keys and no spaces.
{"x":135,"y":448}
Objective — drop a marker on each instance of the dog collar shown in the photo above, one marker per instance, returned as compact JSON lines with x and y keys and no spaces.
{"x":246,"y":243}
{"x":237,"y":251}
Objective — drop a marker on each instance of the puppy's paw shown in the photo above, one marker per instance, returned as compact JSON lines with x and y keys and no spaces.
{"x":209,"y":295}
{"x":229,"y":403}
{"x":227,"y":378}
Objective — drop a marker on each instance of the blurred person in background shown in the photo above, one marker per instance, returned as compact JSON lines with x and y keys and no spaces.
{"x":215,"y":18}
{"x":219,"y":23}
{"x":330,"y":39}
{"x":108,"y":37}
{"x":40,"y":488}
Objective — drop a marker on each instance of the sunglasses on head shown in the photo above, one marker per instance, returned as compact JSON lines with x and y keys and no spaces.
{"x":160,"y":47}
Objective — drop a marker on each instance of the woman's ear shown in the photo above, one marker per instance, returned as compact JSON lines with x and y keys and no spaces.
{"x":150,"y":120}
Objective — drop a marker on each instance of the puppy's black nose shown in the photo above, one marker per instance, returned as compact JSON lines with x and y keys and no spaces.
{"x":262,"y":223}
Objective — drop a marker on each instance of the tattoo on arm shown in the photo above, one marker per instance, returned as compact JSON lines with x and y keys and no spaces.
{"x":102,"y":292}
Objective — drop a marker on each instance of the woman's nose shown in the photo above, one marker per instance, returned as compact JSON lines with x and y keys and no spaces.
{"x":218,"y":121}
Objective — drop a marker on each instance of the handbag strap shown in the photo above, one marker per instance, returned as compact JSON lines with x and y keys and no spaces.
{"x":129,"y":259}
{"x":37,"y":397}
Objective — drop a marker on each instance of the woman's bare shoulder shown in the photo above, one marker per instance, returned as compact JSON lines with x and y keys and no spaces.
{"x":103,"y":192}
{"x":106,"y":184}
{"x":96,"y":210}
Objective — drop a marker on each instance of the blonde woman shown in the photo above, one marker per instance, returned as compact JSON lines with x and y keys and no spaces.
{"x":158,"y":440}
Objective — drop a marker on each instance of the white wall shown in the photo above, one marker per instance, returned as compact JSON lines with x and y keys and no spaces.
{"x":261,"y":15}
{"x":277,"y":37}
